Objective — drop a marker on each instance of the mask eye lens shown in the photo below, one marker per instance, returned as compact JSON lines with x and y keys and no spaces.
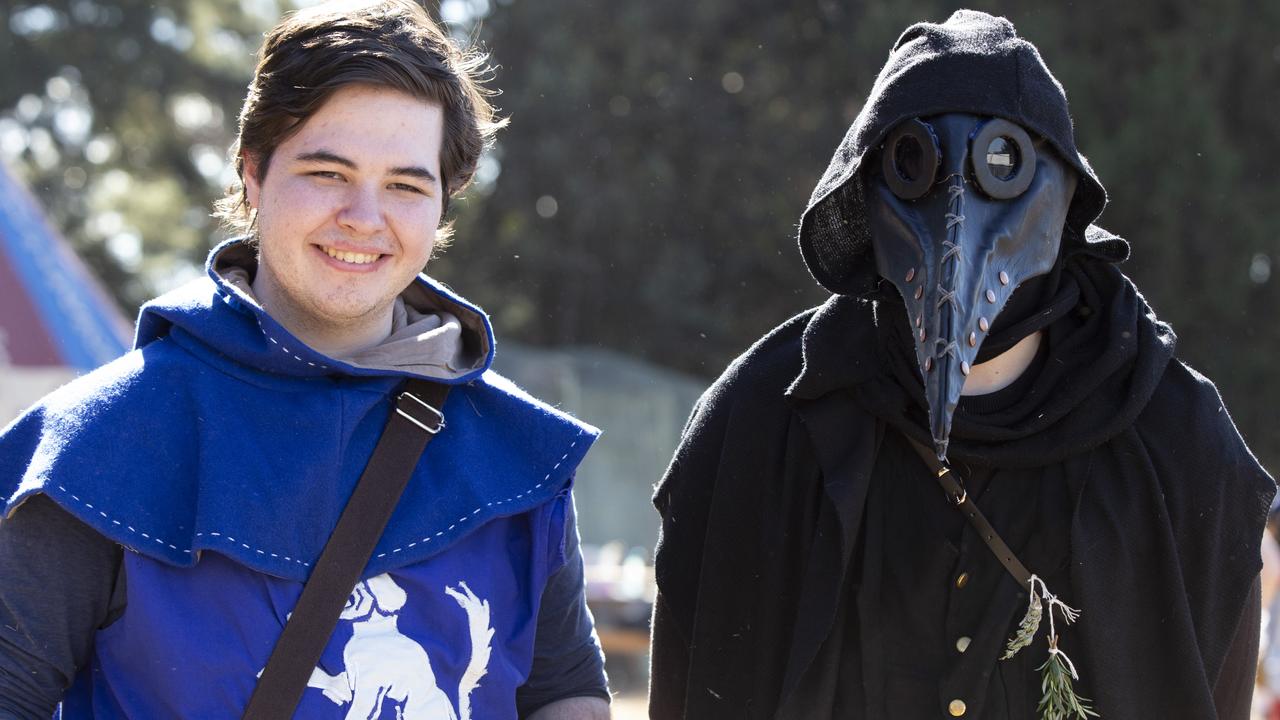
{"x":1002,"y":158}
{"x":910,"y":160}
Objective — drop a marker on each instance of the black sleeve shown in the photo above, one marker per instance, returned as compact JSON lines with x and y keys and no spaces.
{"x":567,"y":661}
{"x":683,"y":499}
{"x":1233,"y":692}
{"x":57,"y":587}
{"x":668,"y":663}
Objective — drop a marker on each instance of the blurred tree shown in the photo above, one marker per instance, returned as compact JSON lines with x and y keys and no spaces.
{"x":659,"y":157}
{"x":660,"y":154}
{"x":1176,"y":105}
{"x":119,"y":117}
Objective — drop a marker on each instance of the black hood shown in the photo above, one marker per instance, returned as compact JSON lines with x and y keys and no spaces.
{"x":973,"y":63}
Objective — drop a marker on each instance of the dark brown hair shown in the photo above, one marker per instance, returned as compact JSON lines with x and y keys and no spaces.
{"x":387,"y":43}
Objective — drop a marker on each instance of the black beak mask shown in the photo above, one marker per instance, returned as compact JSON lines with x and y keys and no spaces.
{"x":962,"y":209}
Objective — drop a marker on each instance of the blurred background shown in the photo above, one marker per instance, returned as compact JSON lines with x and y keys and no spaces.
{"x":633,"y":231}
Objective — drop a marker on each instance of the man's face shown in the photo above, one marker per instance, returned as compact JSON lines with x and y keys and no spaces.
{"x":348,"y":210}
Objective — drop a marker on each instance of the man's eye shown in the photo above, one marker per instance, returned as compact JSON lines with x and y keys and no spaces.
{"x":408,"y":188}
{"x":327,"y":174}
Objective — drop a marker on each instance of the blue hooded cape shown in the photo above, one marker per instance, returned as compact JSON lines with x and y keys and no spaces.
{"x":221,"y":431}
{"x":222,"y":450}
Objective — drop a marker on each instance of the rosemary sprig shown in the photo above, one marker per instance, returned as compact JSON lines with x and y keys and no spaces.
{"x":1059,"y":700}
{"x":1026,"y":629}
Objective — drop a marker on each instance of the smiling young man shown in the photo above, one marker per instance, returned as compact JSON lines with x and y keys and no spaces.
{"x":347,"y":215}
{"x":163,"y":513}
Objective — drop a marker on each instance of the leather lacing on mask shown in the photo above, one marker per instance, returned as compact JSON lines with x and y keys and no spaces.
{"x":955,"y":221}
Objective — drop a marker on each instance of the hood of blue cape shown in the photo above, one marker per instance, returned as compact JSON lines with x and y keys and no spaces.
{"x":221,"y":431}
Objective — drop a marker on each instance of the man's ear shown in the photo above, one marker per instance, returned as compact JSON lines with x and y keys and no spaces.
{"x":249,"y":176}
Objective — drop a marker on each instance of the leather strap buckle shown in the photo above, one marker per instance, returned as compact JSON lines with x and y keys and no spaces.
{"x":436,"y":427}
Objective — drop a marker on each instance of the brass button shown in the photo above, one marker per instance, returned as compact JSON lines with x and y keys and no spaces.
{"x":962,"y":579}
{"x":963,"y":643}
{"x":957,"y":708}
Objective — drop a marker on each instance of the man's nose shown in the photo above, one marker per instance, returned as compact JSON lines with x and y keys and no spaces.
{"x":362,"y":211}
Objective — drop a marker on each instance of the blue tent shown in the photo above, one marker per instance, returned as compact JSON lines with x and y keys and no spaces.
{"x":56,"y":320}
{"x":53,"y":312}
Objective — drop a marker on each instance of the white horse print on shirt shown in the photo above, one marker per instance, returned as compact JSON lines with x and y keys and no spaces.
{"x":382,"y":665}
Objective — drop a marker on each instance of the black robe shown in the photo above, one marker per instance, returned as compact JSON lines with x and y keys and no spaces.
{"x":764,"y":512}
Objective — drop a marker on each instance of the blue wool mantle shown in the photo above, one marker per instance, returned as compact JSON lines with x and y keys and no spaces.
{"x":221,"y":431}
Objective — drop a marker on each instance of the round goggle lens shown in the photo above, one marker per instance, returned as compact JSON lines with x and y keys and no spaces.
{"x":908,"y":158}
{"x":1002,"y":158}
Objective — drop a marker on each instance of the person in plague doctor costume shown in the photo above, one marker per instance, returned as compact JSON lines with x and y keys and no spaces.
{"x":975,"y":482}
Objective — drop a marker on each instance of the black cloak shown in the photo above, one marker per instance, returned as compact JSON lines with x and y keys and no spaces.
{"x":764,"y":506}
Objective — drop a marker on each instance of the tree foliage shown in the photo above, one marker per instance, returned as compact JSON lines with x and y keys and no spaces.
{"x":119,"y":116}
{"x":646,"y":195}
{"x":681,"y":140}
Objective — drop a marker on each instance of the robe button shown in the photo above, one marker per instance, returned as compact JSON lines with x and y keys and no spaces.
{"x":957,"y":708}
{"x":963,"y":643}
{"x":962,"y":579}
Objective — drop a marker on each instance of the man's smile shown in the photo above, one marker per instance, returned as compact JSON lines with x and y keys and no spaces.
{"x":350,"y":257}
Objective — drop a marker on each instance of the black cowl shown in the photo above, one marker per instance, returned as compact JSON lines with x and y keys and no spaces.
{"x":973,"y":63}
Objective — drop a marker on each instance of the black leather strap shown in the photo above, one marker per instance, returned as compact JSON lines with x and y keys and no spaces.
{"x":416,"y":419}
{"x":953,"y":486}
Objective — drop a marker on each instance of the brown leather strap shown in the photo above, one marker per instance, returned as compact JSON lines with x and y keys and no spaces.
{"x":416,"y":419}
{"x":953,"y":486}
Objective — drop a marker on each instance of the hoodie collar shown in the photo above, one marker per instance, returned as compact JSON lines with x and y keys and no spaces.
{"x":437,"y":334}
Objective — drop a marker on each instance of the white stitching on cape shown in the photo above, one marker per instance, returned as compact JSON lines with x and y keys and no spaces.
{"x":471,"y":514}
{"x":287,"y":352}
{"x":117,"y":522}
{"x":233,"y":541}
{"x":427,"y":539}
